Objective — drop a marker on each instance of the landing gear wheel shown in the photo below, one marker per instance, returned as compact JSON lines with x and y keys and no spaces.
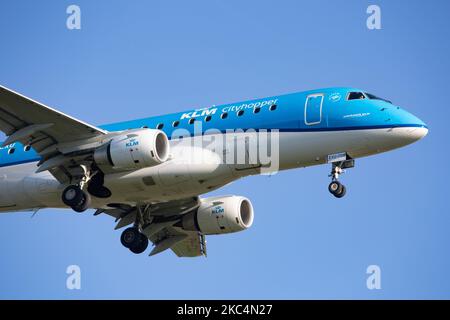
{"x":334,"y":187}
{"x":342,"y":192}
{"x":337,"y":189}
{"x":99,"y":191}
{"x":141,"y":245}
{"x":84,"y":203}
{"x":76,"y":198}
{"x":96,"y":186}
{"x":72,"y":195}
{"x":130,"y":237}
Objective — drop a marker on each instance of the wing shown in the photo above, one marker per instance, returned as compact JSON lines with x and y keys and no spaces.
{"x":32,"y":123}
{"x":55,"y":136}
{"x":161,"y":229}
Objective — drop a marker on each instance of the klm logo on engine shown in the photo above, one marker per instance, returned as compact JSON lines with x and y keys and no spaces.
{"x":218,"y":210}
{"x":132,"y":143}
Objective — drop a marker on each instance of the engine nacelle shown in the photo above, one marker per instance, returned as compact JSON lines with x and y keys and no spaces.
{"x":219,"y":215}
{"x":134,"y":150}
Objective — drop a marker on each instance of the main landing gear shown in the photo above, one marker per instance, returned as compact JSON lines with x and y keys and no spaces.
{"x":132,"y":238}
{"x":74,"y":197}
{"x":336,"y":188}
{"x":79,"y":200}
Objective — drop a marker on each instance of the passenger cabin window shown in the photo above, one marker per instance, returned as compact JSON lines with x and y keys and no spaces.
{"x":224,"y":115}
{"x":273,"y":107}
{"x":208,"y":118}
{"x":11,"y":150}
{"x":175,"y":124}
{"x":356,"y":96}
{"x":257,"y":110}
{"x":191,"y":120}
{"x":240,"y":113}
{"x":160,"y":126}
{"x":27,"y":148}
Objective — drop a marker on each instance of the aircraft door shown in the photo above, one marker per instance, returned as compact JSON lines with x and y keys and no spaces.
{"x":313,"y":109}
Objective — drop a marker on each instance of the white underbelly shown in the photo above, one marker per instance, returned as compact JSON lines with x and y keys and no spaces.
{"x":21,"y":188}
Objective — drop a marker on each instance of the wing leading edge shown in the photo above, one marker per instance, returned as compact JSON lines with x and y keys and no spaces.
{"x":32,"y":123}
{"x":63,"y":142}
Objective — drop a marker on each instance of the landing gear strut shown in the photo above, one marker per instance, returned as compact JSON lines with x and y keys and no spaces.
{"x":336,"y":188}
{"x":132,"y":238}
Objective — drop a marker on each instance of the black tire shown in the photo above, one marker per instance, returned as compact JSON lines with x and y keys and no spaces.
{"x":342,"y":192}
{"x":72,"y":196}
{"x":130,"y":237}
{"x":141,"y":246}
{"x":84,"y":203}
{"x":335,"y":187}
{"x":96,"y":186}
{"x":99,"y":191}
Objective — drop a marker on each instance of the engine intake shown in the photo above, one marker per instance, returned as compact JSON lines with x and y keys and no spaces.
{"x":134,"y":150}
{"x":218,"y":215}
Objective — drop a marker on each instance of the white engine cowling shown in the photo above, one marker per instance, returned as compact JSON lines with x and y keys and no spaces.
{"x":219,"y":215}
{"x":134,"y":150}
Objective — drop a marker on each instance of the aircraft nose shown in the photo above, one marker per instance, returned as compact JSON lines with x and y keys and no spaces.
{"x":418,"y":133}
{"x":409,"y":128}
{"x":417,"y":129}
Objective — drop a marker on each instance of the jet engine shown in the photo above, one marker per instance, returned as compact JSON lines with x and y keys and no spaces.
{"x":134,"y":150}
{"x":218,"y":215}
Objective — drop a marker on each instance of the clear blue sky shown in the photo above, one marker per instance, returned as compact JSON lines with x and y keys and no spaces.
{"x":142,"y":58}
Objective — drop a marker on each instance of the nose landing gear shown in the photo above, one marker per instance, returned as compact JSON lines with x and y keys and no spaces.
{"x":336,"y":188}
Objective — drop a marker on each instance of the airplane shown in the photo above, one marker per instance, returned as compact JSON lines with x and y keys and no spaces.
{"x":145,"y":173}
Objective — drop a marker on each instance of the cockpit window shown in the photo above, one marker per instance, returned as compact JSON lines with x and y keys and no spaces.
{"x":374,"y":97}
{"x":356,"y":96}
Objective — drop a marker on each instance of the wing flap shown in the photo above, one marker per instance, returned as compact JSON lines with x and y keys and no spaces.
{"x":183,"y":243}
{"x":180,"y":207}
{"x":166,"y":243}
{"x":193,"y":245}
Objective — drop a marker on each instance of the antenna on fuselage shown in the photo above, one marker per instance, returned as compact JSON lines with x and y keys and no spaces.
{"x":34,"y":212}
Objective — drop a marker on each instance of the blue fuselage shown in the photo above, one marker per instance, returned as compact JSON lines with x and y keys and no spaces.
{"x":329,"y":109}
